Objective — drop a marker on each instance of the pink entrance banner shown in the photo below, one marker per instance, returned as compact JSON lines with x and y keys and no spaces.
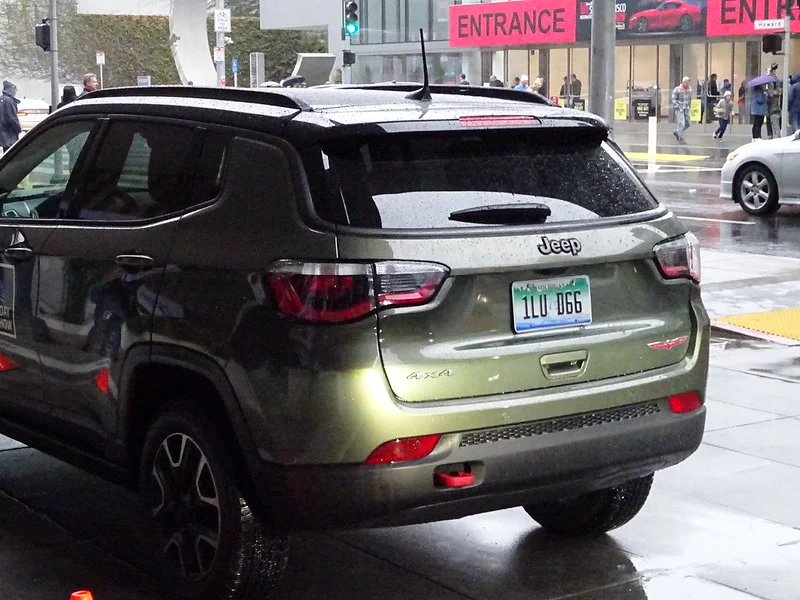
{"x":513,"y":23}
{"x":748,"y":17}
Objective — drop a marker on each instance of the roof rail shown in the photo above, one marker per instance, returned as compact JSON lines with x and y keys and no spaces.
{"x":267,"y":96}
{"x":459,"y":90}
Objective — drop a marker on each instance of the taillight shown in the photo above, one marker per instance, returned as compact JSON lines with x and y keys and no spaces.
{"x":403,"y":450}
{"x":686,"y":402}
{"x":337,"y":292}
{"x":679,"y":258}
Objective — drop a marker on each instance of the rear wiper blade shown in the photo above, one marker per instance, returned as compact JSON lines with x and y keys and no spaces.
{"x":504,"y":214}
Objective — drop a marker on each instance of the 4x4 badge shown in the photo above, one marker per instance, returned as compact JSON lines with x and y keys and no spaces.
{"x":565,"y":246}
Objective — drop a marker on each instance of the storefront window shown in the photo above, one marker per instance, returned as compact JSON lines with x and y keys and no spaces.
{"x":419,"y":16}
{"x":372,"y":21}
{"x":441,"y":19}
{"x":519,"y":63}
{"x":395,"y":19}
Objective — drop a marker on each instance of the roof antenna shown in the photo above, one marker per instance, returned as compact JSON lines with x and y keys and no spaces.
{"x":424,"y":93}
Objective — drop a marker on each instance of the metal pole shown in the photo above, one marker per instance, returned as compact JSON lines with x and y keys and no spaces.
{"x":58,"y":168}
{"x":54,"y":94}
{"x":787,"y":50}
{"x":220,"y":42}
{"x":101,"y":77}
{"x":601,"y":82}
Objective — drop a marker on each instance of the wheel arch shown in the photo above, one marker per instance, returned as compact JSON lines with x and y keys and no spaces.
{"x":153,"y":376}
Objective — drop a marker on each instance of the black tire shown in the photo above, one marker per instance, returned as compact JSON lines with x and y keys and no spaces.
{"x":686,"y":23}
{"x":756,"y":190}
{"x":208,"y":543}
{"x":594,"y":513}
{"x":642,"y":25}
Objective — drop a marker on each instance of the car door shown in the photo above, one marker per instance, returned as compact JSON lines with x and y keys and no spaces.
{"x":35,"y":181}
{"x":110,"y":252}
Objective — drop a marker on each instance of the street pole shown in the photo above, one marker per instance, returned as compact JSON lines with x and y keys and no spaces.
{"x":220,"y":43}
{"x":54,"y":95}
{"x":787,"y":49}
{"x":58,"y":169}
{"x":601,"y":81}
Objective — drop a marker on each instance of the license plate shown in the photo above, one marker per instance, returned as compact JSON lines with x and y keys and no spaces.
{"x":551,"y":303}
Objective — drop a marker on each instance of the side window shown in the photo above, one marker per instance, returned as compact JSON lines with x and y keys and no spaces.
{"x":34,"y":183}
{"x":208,"y":184}
{"x":143,"y":170}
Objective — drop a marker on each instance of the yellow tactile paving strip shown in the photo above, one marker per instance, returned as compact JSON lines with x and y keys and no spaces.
{"x":664,"y":157}
{"x":784,"y":323}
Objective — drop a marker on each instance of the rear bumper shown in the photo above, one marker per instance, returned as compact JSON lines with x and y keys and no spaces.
{"x":544,"y":464}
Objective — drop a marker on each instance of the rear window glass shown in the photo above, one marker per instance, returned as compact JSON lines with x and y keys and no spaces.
{"x":419,"y":181}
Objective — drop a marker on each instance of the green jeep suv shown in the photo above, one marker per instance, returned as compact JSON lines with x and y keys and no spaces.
{"x":270,"y":311}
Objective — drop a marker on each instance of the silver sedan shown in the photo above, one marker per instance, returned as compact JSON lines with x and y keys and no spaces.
{"x":762,"y":175}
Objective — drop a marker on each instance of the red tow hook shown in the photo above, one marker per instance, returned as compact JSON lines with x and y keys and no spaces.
{"x":454,"y":480}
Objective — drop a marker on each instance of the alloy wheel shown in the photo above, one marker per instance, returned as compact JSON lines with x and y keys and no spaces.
{"x":185,"y":504}
{"x":755,"y":190}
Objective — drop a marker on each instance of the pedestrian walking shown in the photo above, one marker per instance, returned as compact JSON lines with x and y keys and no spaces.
{"x":523,"y":84}
{"x":90,"y":84}
{"x":794,"y":102}
{"x":9,"y":121}
{"x":495,"y":82}
{"x":681,"y":102}
{"x":69,"y":95}
{"x":723,"y":110}
{"x":463,"y":80}
{"x":758,"y":110}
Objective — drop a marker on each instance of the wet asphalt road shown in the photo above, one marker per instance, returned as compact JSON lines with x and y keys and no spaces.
{"x":724,"y":525}
{"x":691,"y":190}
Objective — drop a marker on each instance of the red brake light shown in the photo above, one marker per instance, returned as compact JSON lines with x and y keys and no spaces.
{"x":337,"y":292}
{"x":7,"y":364}
{"x":679,"y":258}
{"x":684,"y":403}
{"x":102,"y":381}
{"x":403,"y":450}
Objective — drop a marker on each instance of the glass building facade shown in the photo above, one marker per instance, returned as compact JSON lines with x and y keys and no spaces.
{"x":387,"y":49}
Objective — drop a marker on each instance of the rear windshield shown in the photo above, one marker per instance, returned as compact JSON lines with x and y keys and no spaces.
{"x":418,"y":181}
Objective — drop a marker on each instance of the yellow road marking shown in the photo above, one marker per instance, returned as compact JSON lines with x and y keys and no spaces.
{"x":665,"y":157}
{"x":783,"y":323}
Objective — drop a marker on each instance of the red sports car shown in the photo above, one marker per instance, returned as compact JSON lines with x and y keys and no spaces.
{"x":671,"y":14}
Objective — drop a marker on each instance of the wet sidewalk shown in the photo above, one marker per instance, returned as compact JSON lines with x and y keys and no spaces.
{"x":753,"y":294}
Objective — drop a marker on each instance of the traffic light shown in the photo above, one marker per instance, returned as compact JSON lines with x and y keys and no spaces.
{"x":43,"y":35}
{"x":350,"y":17}
{"x":348,"y":58}
{"x":772,"y":43}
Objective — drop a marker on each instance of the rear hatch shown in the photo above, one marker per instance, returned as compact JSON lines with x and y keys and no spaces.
{"x":548,"y":241}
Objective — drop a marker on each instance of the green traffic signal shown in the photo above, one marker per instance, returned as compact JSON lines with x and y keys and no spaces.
{"x":351,"y":17}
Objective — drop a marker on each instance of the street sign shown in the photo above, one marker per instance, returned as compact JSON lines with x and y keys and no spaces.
{"x":222,"y":21}
{"x":101,"y":58}
{"x":767,"y":24}
{"x":143,"y":81}
{"x":219,"y":54}
{"x":234,"y":65}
